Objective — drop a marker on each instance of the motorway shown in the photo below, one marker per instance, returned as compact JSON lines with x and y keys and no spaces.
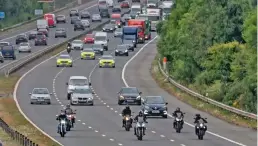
{"x":91,"y":7}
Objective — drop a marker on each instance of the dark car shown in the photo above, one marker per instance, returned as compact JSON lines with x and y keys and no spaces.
{"x":74,"y":19}
{"x":1,"y":57}
{"x":74,"y":12}
{"x":104,"y":13}
{"x":120,"y":1}
{"x":109,"y":28}
{"x":40,"y":39}
{"x":136,"y":1}
{"x":8,"y":52}
{"x":60,"y":32}
{"x":125,"y":4}
{"x":32,"y":35}
{"x":85,"y":15}
{"x":44,"y":31}
{"x":22,"y":38}
{"x":121,"y":50}
{"x":78,"y":26}
{"x":98,"y":49}
{"x":60,"y":18}
{"x":154,"y":106}
{"x":116,"y":9}
{"x":129,"y":95}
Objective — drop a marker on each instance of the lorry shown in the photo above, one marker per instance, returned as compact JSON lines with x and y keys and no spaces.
{"x":51,"y":19}
{"x":117,"y":19}
{"x":42,"y":24}
{"x":166,"y":9}
{"x":130,"y":36}
{"x":154,"y":16}
{"x":144,"y":28}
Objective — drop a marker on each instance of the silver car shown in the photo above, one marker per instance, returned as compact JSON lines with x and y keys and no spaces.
{"x":82,"y":96}
{"x":118,"y":32}
{"x":96,"y":17}
{"x":24,"y":47}
{"x":85,"y":23}
{"x":60,"y":32}
{"x":40,"y":95}
{"x":1,"y":58}
{"x":77,"y":45}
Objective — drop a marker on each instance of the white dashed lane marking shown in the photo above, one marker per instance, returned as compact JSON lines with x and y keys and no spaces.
{"x":162,"y":136}
{"x":84,"y":123}
{"x":171,"y":140}
{"x":153,"y":131}
{"x":111,"y":139}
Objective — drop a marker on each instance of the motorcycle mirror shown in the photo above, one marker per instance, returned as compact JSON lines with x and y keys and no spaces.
{"x":166,"y":103}
{"x":29,"y":93}
{"x":90,"y":83}
{"x":66,"y":83}
{"x":140,"y":92}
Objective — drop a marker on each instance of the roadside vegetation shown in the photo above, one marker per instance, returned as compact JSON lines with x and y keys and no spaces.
{"x":211,"y":48}
{"x":17,"y":11}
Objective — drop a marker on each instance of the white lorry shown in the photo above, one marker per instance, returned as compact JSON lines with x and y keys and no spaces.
{"x":154,"y":16}
{"x":42,"y":24}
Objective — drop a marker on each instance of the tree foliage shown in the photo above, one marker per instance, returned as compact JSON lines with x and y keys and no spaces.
{"x":211,"y":46}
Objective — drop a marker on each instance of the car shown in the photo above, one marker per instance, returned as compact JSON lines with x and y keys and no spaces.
{"x":129,"y":44}
{"x":74,"y":12}
{"x":21,"y":38}
{"x":118,"y":32}
{"x":125,"y":18}
{"x":129,"y":95}
{"x":32,"y":35}
{"x":40,"y":39}
{"x":77,"y":45}
{"x":125,"y":4}
{"x":1,"y":57}
{"x":98,"y":49}
{"x":109,"y":28}
{"x":88,"y":53}
{"x":101,"y":38}
{"x":120,"y":1}
{"x":82,"y":96}
{"x":116,"y":9}
{"x":24,"y":47}
{"x":60,"y":32}
{"x":44,"y":31}
{"x":76,"y":82}
{"x":4,"y":44}
{"x":85,"y":23}
{"x":107,"y":61}
{"x":89,"y":39}
{"x":40,"y":96}
{"x":8,"y":52}
{"x":74,"y":19}
{"x":64,"y":60}
{"x":85,"y":15}
{"x":136,"y":1}
{"x":104,"y":13}
{"x":154,"y":106}
{"x":78,"y":25}
{"x":121,"y":50}
{"x":96,"y":17}
{"x":60,"y":19}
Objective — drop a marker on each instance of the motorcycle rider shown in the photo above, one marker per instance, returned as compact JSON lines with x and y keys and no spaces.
{"x":61,"y":116}
{"x":140,"y":117}
{"x":175,"y":114}
{"x":126,"y":111}
{"x":69,"y":45}
{"x":196,"y":121}
{"x":69,"y":111}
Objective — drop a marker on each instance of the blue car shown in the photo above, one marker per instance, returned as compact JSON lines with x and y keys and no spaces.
{"x":8,"y":52}
{"x":154,"y":106}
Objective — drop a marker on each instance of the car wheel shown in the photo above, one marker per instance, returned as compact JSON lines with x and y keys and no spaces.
{"x":68,"y":96}
{"x":31,"y":102}
{"x":101,"y":53}
{"x":81,"y":58}
{"x":119,"y":102}
{"x":46,"y":44}
{"x":165,"y":116}
{"x":114,"y":66}
{"x":55,"y":36}
{"x":29,"y":51}
{"x":92,"y":104}
{"x":49,"y":103}
{"x":100,"y":66}
{"x":14,"y":58}
{"x":74,"y":29}
{"x":127,"y":54}
{"x":71,"y":65}
{"x":94,"y":58}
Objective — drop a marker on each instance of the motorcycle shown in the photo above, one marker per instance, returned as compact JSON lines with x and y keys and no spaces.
{"x":71,"y":118}
{"x":128,"y":123}
{"x":62,"y":128}
{"x":179,"y":124}
{"x":68,"y":50}
{"x":140,"y":129}
{"x":201,"y":128}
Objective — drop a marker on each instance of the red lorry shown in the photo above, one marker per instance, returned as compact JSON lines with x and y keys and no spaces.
{"x":141,"y":26}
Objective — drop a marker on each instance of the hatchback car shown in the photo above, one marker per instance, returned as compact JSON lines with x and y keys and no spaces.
{"x":74,"y":19}
{"x":32,"y":35}
{"x":21,"y":38}
{"x":24,"y":47}
{"x":78,"y":25}
{"x":98,"y":49}
{"x":85,"y":15}
{"x":44,"y":31}
{"x":104,"y":13}
{"x":74,"y":12}
{"x":154,"y":106}
{"x":96,"y":17}
{"x":77,"y":44}
{"x":64,"y":60}
{"x":125,"y":4}
{"x":107,"y":61}
{"x":85,"y":23}
{"x":60,"y":32}
{"x":89,"y":39}
{"x":121,"y":50}
{"x":118,"y":32}
{"x":109,"y":28}
{"x":87,"y":53}
{"x":60,"y":19}
{"x":129,"y":95}
{"x":40,"y":96}
{"x":40,"y":39}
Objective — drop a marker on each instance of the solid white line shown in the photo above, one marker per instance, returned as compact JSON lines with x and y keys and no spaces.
{"x":126,"y":84}
{"x":182,"y":145}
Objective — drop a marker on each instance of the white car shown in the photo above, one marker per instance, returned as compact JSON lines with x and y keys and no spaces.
{"x":40,"y":96}
{"x":82,"y":96}
{"x":85,"y":23}
{"x":96,"y":17}
{"x":76,"y":82}
{"x":77,"y":45}
{"x":24,"y":47}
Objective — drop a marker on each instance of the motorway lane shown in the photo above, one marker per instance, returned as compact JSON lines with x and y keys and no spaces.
{"x":91,"y":7}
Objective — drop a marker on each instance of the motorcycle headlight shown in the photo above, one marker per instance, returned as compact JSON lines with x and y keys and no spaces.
{"x":177,"y":119}
{"x":127,"y":51}
{"x":143,"y":125}
{"x":133,"y":41}
{"x":116,"y":50}
{"x":201,"y":125}
{"x":111,"y":28}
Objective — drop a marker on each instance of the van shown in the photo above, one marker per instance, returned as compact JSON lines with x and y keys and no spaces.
{"x":51,"y":19}
{"x":110,"y":3}
{"x":76,"y":81}
{"x":42,"y":24}
{"x":102,"y":3}
{"x":8,"y":52}
{"x":101,"y":38}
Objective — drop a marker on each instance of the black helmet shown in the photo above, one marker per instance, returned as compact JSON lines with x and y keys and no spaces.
{"x":140,"y":113}
{"x":198,"y":115}
{"x":127,"y":107}
{"x":178,"y":109}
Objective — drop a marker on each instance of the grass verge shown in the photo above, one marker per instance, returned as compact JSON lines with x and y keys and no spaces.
{"x":198,"y":104}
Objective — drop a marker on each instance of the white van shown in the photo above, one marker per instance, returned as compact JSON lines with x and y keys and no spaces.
{"x":110,"y":3}
{"x":76,"y":81}
{"x":101,"y":38}
{"x":42,"y":24}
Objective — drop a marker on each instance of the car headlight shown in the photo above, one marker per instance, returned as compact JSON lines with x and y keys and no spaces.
{"x":90,"y":98}
{"x":116,"y":50}
{"x":75,"y":98}
{"x":133,"y":41}
{"x":121,"y":97}
{"x":111,"y":28}
{"x":33,"y":97}
{"x":104,"y":29}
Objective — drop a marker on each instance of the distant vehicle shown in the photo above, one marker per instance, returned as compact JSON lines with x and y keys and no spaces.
{"x":40,"y":96}
{"x":42,"y":23}
{"x":88,"y":53}
{"x":74,"y":12}
{"x":85,"y":23}
{"x":153,"y":3}
{"x":76,"y":82}
{"x":21,"y":38}
{"x":85,"y":15}
{"x":74,"y":19}
{"x":82,"y":96}
{"x":78,"y":25}
{"x":110,"y":3}
{"x":125,"y":4}
{"x":8,"y":52}
{"x":60,"y":18}
{"x":121,"y":50}
{"x":60,"y":32}
{"x":116,"y":9}
{"x":102,"y":39}
{"x":96,"y":17}
{"x":1,"y":57}
{"x":4,"y":44}
{"x":102,"y":3}
{"x":109,"y":28}
{"x":44,"y":31}
{"x":154,"y":106}
{"x":40,"y":39}
{"x":125,"y":18}
{"x":104,"y":13}
{"x":64,"y":60}
{"x":136,"y":9}
{"x":24,"y":47}
{"x":117,"y":19}
{"x":51,"y":19}
{"x":32,"y":35}
{"x":136,"y":1}
{"x":77,"y":44}
{"x":130,"y":36}
{"x":129,"y":95}
{"x":89,"y":39}
{"x":118,"y":32}
{"x":107,"y":61}
{"x":98,"y":49}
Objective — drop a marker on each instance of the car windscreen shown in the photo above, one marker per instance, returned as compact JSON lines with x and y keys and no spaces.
{"x":7,"y":48}
{"x":64,"y":57}
{"x":73,"y":11}
{"x":78,"y":82}
{"x":155,"y":100}
{"x":129,"y":90}
{"x":40,"y":91}
{"x":88,"y":50}
{"x":82,"y":91}
{"x":100,"y":38}
{"x":3,"y":44}
{"x":135,"y":10}
{"x":97,"y":46}
{"x":107,"y":57}
{"x":119,"y":30}
{"x":153,"y":18}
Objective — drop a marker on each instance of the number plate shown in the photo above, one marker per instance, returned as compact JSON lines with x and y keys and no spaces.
{"x":155,"y":111}
{"x":130,"y":100}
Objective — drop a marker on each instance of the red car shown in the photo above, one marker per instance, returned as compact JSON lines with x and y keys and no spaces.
{"x":125,"y":4}
{"x":89,"y":39}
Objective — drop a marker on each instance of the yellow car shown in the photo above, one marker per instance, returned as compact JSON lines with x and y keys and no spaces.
{"x":107,"y":61}
{"x":88,"y":53}
{"x":64,"y":60}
